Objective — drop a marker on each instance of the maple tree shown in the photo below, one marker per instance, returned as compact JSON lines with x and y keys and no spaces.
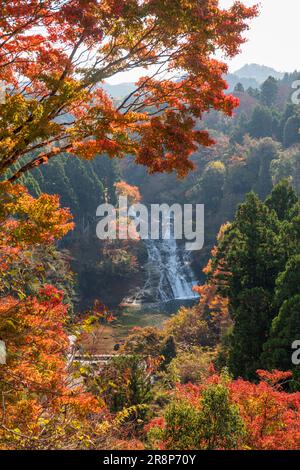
{"x":126,"y":190}
{"x":271,"y":415}
{"x":29,"y":228}
{"x":55,"y":55}
{"x":120,"y":254}
{"x":42,"y":404}
{"x":213,"y":306}
{"x":227,"y":414}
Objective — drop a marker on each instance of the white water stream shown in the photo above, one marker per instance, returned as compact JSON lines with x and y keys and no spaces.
{"x":169,"y":275}
{"x":169,"y":271}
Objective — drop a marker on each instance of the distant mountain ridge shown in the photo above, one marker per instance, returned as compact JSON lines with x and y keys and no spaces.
{"x":250,"y":75}
{"x":258,"y":72}
{"x":120,"y":90}
{"x":232,"y":79}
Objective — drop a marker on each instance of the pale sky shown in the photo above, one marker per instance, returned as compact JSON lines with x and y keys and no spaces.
{"x":272,"y":39}
{"x":273,"y":36}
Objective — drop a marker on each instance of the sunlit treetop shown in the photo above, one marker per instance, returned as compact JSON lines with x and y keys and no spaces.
{"x":56,"y":54}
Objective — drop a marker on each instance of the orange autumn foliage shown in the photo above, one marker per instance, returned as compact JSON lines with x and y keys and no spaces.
{"x":28,"y":221}
{"x":129,"y":191}
{"x":212,"y":305}
{"x":271,"y":416}
{"x":55,"y":56}
{"x":42,"y":404}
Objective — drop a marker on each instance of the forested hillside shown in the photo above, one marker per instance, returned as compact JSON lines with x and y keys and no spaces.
{"x":82,"y":186}
{"x":254,"y":150}
{"x":121,"y":343}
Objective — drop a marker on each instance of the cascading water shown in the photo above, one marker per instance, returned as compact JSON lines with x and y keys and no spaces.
{"x":169,"y":275}
{"x":169,"y":271}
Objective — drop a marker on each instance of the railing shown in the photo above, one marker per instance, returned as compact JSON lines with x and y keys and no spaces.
{"x":94,"y":358}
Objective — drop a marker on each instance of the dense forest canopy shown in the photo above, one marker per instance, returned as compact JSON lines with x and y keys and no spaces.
{"x":219,"y":374}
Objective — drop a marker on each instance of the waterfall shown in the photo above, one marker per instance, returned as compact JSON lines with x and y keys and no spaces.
{"x":169,"y":275}
{"x":169,"y":272}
